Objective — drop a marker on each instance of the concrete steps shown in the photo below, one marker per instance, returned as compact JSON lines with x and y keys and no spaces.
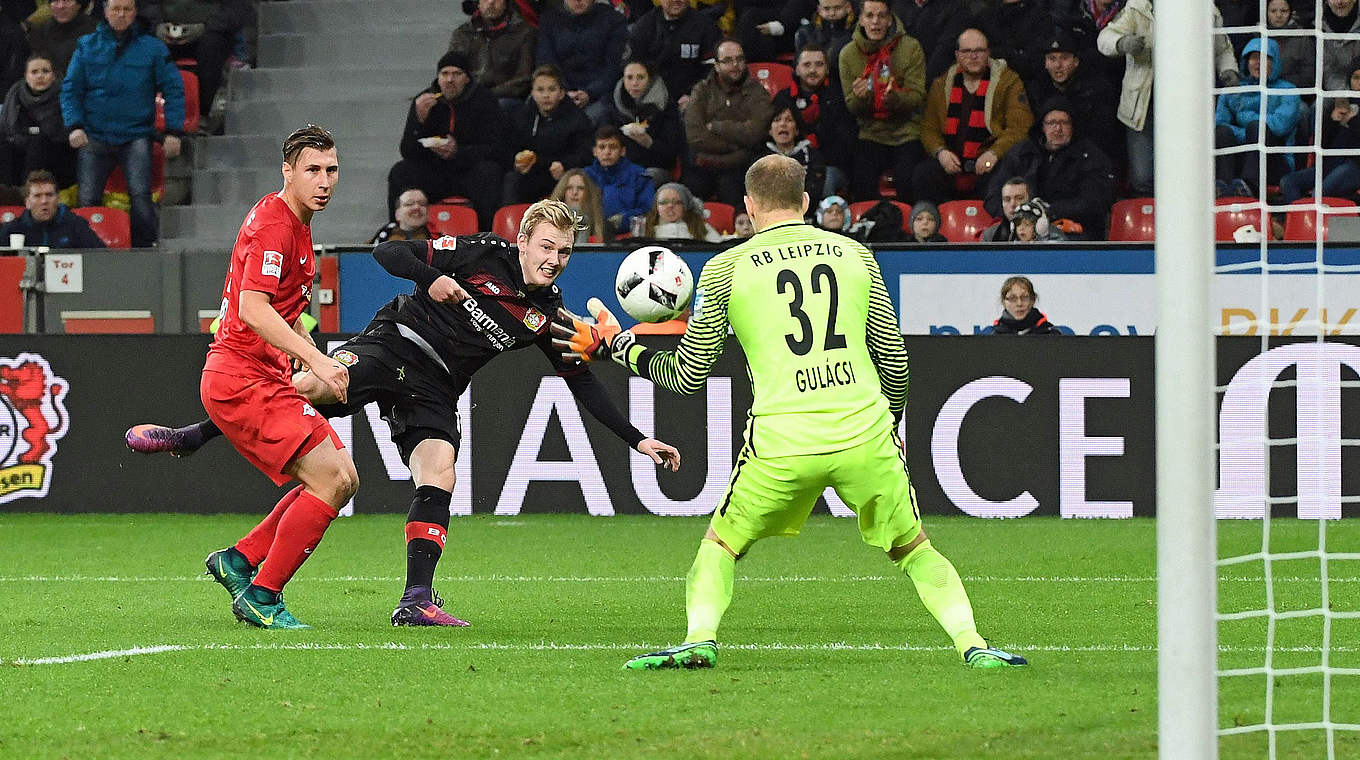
{"x":351,"y":66}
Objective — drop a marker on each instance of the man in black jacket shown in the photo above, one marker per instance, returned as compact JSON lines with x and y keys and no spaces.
{"x":675,"y":40}
{"x":1094,"y":99}
{"x":1065,"y":169}
{"x":453,"y":143}
{"x":46,"y":221}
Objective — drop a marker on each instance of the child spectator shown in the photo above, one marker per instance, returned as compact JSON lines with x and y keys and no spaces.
{"x":645,"y":113}
{"x":412,"y":220}
{"x":925,"y":223}
{"x":678,"y":215}
{"x":551,"y":135}
{"x":626,"y":190}
{"x":742,"y":227}
{"x":582,"y":195}
{"x":833,"y":213}
{"x":1032,"y":223}
{"x":1018,"y":315}
{"x":35,"y":134}
{"x":788,"y":138}
{"x":1238,"y":122}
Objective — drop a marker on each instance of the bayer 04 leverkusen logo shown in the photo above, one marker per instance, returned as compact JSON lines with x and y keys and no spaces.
{"x":32,"y":419}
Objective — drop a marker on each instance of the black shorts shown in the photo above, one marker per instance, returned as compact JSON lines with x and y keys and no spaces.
{"x":414,"y":394}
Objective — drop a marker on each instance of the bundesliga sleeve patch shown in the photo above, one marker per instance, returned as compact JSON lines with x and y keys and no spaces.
{"x":273,"y":264}
{"x":446,"y":243}
{"x":346,"y":358}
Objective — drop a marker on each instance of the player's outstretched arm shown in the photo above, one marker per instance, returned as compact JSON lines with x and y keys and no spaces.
{"x":591,"y":394}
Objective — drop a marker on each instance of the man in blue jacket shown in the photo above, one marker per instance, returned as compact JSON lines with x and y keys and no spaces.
{"x":108,"y":101}
{"x":46,"y":221}
{"x":1237,"y":121}
{"x":625,"y":188}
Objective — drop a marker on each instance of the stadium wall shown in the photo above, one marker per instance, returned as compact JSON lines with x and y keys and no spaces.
{"x":995,"y":427}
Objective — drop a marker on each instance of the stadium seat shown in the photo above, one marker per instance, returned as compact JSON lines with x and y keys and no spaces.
{"x":772,"y":76}
{"x":1233,"y":212}
{"x":9,"y":213}
{"x":963,"y":221}
{"x":506,"y":221}
{"x":721,"y":215}
{"x":1132,"y":220}
{"x":453,"y":220}
{"x":112,"y":225}
{"x":1301,"y":225}
{"x":858,"y":208}
{"x":191,"y":104}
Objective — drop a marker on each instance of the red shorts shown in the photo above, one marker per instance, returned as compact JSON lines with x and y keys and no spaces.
{"x":265,"y":418}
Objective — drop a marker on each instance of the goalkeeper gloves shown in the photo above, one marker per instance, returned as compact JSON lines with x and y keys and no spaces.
{"x":584,"y":339}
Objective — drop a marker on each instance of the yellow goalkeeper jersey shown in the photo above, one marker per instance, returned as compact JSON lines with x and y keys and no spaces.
{"x":826,"y":360}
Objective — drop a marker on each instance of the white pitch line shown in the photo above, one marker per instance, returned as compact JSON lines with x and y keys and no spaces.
{"x":659,"y":579}
{"x":552,"y":646}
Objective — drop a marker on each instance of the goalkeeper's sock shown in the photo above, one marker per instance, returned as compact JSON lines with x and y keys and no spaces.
{"x":708,"y":590}
{"x":941,"y":590}
{"x":256,"y":543}
{"x":427,"y":526}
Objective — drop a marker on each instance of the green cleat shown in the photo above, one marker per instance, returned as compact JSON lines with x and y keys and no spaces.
{"x":274,"y":617}
{"x":698,"y":654}
{"x":991,"y":657}
{"x":230,"y":569}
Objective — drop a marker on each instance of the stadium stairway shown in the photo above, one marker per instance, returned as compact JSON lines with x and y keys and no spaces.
{"x":350,"y":66}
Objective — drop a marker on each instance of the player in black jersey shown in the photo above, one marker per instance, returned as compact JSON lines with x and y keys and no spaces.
{"x":476,"y":296}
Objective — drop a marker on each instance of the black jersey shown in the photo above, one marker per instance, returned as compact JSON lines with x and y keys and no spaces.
{"x":501,"y":315}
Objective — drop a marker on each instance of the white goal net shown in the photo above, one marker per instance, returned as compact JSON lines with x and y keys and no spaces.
{"x":1259,"y":565}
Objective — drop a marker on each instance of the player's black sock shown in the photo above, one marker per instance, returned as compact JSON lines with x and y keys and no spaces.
{"x":426,"y":530}
{"x":199,"y":433}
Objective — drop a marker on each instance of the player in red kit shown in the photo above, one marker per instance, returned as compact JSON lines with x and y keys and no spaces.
{"x":247,"y":388}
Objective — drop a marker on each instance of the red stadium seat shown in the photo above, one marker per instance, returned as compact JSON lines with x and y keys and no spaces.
{"x":721,"y":215}
{"x":1301,"y":225}
{"x":453,"y":220}
{"x":963,"y":221}
{"x":191,"y":104}
{"x":112,"y":226}
{"x":1233,"y":212}
{"x":507,"y":219}
{"x":1132,"y":220}
{"x":9,"y":213}
{"x":858,"y":208}
{"x":772,"y":76}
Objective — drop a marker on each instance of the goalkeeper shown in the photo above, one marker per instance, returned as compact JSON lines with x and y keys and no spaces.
{"x":829,"y":374}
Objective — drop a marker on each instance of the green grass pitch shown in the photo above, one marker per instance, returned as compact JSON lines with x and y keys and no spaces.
{"x":112,"y":644}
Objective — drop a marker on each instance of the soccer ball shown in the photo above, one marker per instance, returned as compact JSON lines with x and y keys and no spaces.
{"x":654,"y":284}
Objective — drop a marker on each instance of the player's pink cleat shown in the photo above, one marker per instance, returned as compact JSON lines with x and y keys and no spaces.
{"x":157,"y":439}
{"x":420,"y":605}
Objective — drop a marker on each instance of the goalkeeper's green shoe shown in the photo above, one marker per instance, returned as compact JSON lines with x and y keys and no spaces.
{"x":991,"y":657}
{"x":229,"y":568}
{"x":698,"y":654}
{"x":274,"y":616}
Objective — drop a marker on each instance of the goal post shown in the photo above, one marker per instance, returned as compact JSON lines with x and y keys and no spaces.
{"x":1187,"y":687}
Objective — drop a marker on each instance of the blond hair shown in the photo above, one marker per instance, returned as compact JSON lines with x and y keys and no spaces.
{"x":776,"y":182}
{"x":556,"y":213}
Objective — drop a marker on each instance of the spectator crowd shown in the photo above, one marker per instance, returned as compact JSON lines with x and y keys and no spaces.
{"x":1000,"y":104}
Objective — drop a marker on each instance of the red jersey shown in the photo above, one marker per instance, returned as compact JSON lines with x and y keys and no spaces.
{"x":273,"y":254}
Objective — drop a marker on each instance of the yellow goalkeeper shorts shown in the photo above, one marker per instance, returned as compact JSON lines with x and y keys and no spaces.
{"x":772,"y":496}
